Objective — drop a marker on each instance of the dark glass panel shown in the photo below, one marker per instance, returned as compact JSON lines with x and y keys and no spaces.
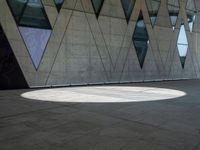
{"x":97,"y":5}
{"x":173,"y":8}
{"x":11,"y":75}
{"x":31,"y":13}
{"x":34,"y":15}
{"x":141,"y":39}
{"x":153,"y":7}
{"x":182,"y":59}
{"x":17,"y":6}
{"x":128,"y":8}
{"x":58,"y":4}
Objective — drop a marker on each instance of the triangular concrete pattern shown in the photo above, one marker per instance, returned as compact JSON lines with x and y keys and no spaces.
{"x":99,"y":68}
{"x":59,"y":27}
{"x":33,"y":77}
{"x":164,"y":39}
{"x":163,"y":34}
{"x":189,"y":35}
{"x":131,"y":69}
{"x":116,"y":10}
{"x":53,"y":46}
{"x":89,"y":68}
{"x":127,"y":42}
{"x":176,"y":70}
{"x":152,"y":38}
{"x":153,"y":59}
{"x":79,"y":6}
{"x":189,"y":68}
{"x":150,"y":68}
{"x":113,"y":30}
{"x":173,"y":47}
{"x":100,"y":43}
{"x":99,"y":39}
{"x":150,"y":56}
{"x":162,"y":15}
{"x":182,"y":18}
{"x":141,"y":5}
{"x":69,"y":4}
{"x":87,"y":5}
{"x":155,"y":48}
{"x":39,"y":77}
{"x":126,"y":47}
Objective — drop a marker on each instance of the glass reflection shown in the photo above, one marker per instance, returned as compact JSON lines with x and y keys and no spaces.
{"x":141,"y":39}
{"x":173,"y":8}
{"x":128,"y":8}
{"x":97,"y":5}
{"x":17,"y":6}
{"x":153,"y":7}
{"x":29,"y":13}
{"x":191,"y":13}
{"x":182,"y":44}
{"x":58,"y":4}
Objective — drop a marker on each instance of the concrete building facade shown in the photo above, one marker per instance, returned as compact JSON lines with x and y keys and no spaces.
{"x":85,"y":42}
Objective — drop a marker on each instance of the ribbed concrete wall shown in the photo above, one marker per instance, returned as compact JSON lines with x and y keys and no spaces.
{"x":85,"y":50}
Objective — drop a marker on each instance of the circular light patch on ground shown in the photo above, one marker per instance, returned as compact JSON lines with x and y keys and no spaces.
{"x":103,"y":94}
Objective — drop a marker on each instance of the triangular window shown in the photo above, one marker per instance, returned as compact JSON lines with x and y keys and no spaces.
{"x":97,"y":5}
{"x":128,"y":8}
{"x":141,"y":39}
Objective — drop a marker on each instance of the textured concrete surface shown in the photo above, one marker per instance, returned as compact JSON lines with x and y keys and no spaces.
{"x":85,"y":50}
{"x":165,"y":124}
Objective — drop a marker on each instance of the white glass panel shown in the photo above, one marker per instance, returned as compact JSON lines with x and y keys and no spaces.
{"x":182,"y":50}
{"x":182,"y":38}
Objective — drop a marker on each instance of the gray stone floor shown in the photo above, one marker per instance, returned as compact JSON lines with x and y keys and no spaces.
{"x":75,"y":118}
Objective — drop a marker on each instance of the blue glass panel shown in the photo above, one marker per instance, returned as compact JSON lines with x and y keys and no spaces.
{"x":11,"y":76}
{"x":36,"y":41}
{"x":153,"y":7}
{"x":141,"y":39}
{"x":128,"y":8}
{"x":59,"y":4}
{"x":97,"y":5}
